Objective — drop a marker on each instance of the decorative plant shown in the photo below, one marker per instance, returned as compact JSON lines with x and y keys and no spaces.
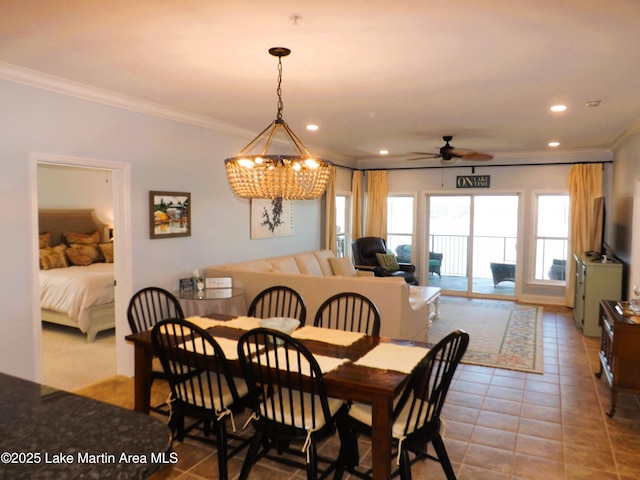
{"x":273,"y":219}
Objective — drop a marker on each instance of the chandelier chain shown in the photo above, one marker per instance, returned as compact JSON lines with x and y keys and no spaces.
{"x":279,"y":89}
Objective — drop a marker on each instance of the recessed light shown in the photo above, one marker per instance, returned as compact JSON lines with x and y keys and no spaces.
{"x":558,"y":108}
{"x":312,"y":127}
{"x":554,"y":144}
{"x":593,"y":103}
{"x":384,"y":152}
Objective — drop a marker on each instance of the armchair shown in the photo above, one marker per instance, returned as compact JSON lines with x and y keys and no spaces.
{"x":364,"y":258}
{"x":435,"y":262}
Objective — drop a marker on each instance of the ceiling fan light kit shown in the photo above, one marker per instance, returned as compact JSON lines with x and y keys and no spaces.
{"x":256,"y":173}
{"x":450,"y":154}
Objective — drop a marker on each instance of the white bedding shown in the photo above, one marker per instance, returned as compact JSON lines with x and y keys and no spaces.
{"x":73,"y":290}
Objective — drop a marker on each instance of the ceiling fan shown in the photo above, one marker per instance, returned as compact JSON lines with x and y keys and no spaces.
{"x":450,"y":154}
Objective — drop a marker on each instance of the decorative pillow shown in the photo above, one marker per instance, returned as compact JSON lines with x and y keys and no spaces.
{"x":323,"y":257}
{"x":53,"y":257}
{"x":44,"y":239}
{"x":343,"y":267}
{"x":106,"y":249}
{"x":388,"y":261}
{"x":308,"y":265}
{"x":82,"y":254}
{"x":85,"y":238}
{"x":285,"y":265}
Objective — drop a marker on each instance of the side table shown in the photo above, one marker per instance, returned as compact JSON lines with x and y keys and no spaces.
{"x":229,"y":301}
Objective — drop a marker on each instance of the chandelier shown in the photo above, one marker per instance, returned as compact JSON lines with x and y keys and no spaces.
{"x":295,"y":176}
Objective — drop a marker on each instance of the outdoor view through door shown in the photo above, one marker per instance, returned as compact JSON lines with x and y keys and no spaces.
{"x":477,"y":238}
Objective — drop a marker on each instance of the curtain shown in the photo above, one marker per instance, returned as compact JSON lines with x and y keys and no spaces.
{"x":585,"y":185}
{"x":330,"y":213}
{"x":376,"y":225}
{"x":356,"y":204}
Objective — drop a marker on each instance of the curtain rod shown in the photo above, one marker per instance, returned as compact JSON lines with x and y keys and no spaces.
{"x":478,"y":166}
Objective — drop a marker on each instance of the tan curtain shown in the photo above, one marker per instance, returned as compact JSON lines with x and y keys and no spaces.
{"x":585,"y":185}
{"x":330,"y":213}
{"x":356,"y":204}
{"x":376,"y":225}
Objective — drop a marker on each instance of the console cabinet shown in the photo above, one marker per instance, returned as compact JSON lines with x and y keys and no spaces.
{"x":619,"y":351}
{"x":595,"y":281}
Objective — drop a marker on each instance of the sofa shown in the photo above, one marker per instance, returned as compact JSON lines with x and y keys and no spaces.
{"x":318,"y":274}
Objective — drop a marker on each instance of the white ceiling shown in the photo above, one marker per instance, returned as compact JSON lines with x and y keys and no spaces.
{"x":394,"y":74}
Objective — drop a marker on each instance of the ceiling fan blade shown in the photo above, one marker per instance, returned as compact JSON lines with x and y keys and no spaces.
{"x":461,"y":152}
{"x":477,"y":156}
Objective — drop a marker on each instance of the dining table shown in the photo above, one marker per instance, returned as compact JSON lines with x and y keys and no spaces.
{"x":374,"y":371}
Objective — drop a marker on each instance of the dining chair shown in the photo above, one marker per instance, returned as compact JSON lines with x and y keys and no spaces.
{"x":349,"y":311}
{"x":278,"y":301}
{"x":146,"y":308}
{"x":288,"y":399}
{"x":416,"y":414}
{"x":201,"y":383}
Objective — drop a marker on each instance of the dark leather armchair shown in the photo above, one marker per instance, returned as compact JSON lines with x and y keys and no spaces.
{"x":364,"y":258}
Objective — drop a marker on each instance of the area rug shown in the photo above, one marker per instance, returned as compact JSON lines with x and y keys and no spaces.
{"x":502,"y":335}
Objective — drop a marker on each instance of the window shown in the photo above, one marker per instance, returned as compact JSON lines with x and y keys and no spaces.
{"x":552,"y":234}
{"x":342,"y":222}
{"x":399,"y":222}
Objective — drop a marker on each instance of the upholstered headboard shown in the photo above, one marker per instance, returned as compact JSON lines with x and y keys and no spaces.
{"x":77,"y":221}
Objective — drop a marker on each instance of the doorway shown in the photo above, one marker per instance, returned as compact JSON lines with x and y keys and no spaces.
{"x":477,"y":236}
{"x":120,"y":174}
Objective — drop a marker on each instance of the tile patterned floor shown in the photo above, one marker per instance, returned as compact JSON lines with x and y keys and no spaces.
{"x":503,"y":424}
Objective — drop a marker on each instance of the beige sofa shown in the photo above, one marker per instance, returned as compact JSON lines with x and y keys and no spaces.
{"x":318,"y":274}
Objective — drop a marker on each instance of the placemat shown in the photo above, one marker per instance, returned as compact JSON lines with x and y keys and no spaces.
{"x":325,"y":363}
{"x":389,"y":356}
{"x":327,"y":335}
{"x":243,"y":323}
{"x":229,"y":347}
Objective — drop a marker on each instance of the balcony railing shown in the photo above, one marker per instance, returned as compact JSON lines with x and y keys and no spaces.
{"x":487,"y":249}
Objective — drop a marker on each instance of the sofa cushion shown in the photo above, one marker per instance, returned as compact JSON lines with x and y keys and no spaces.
{"x":323,"y":257}
{"x":343,"y":267}
{"x":308,"y":264}
{"x":285,"y":265}
{"x":388,"y":261}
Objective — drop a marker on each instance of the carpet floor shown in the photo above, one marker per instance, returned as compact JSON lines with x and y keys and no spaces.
{"x":502,"y":334}
{"x":70,"y":362}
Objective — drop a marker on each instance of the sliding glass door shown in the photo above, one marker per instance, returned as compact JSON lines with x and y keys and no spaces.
{"x":477,"y":237}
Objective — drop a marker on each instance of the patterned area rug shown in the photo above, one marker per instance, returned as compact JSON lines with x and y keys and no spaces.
{"x":502,"y":335}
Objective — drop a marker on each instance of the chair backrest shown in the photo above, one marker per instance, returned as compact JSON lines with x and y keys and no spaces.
{"x":364,"y":250}
{"x":423,"y":398}
{"x":278,"y":301}
{"x":285,"y":383}
{"x":194,"y":365}
{"x":150,"y":305}
{"x":349,"y":311}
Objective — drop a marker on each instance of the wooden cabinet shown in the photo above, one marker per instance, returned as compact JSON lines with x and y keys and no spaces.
{"x":619,"y":351}
{"x":595,"y":281}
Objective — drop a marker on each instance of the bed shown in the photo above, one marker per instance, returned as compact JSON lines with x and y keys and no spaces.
{"x":76,"y":271}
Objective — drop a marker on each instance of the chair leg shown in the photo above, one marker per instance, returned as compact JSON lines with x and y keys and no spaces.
{"x":252,"y":455}
{"x":405,"y":465}
{"x":441,"y":452}
{"x":312,"y":463}
{"x":349,"y":454}
{"x":221,"y":440}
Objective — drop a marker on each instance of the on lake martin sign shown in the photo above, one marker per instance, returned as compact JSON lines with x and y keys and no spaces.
{"x":473,"y":181}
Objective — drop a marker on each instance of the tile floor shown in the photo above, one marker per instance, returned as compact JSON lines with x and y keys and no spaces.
{"x":503,"y":424}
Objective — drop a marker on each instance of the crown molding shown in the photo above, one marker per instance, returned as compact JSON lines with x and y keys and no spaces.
{"x":63,"y":86}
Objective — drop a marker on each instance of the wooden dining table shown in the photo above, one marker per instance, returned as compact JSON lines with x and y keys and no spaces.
{"x":374,"y":386}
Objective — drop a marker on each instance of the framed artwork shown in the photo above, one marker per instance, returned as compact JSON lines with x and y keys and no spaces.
{"x":271,"y":218}
{"x":170,"y":214}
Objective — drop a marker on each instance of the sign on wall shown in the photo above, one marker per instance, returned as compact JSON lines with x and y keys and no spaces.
{"x":473,"y":181}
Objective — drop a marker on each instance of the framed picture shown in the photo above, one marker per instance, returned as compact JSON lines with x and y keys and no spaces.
{"x":271,"y":218}
{"x":170,"y":214}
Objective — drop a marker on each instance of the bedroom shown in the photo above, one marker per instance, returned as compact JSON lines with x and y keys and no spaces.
{"x":78,"y":343}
